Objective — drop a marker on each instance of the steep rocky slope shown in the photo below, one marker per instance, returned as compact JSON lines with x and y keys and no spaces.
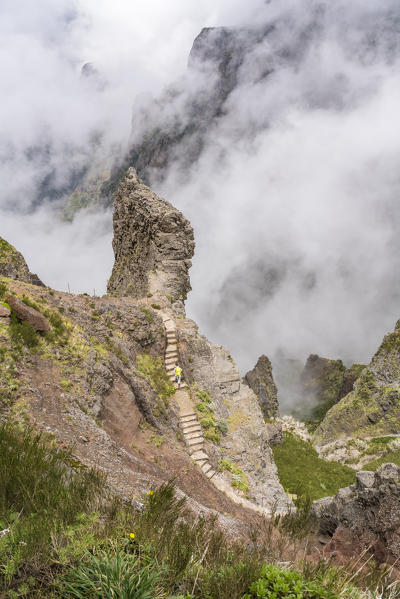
{"x":373,"y":407}
{"x":324,"y":382}
{"x":13,"y":265}
{"x":152,"y":255}
{"x":261,"y":381}
{"x":364,"y":516}
{"x":96,"y":379}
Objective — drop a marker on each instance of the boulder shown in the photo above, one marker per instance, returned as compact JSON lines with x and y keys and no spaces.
{"x":261,"y":381}
{"x":28,"y":314}
{"x":365,"y":515}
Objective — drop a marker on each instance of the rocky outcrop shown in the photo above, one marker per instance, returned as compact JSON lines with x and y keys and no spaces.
{"x":324,"y":382}
{"x":321,"y":381}
{"x":373,"y":407}
{"x":153,"y":244}
{"x":28,"y":314}
{"x":13,"y":265}
{"x":364,"y":515}
{"x":261,"y":381}
{"x":246,"y":438}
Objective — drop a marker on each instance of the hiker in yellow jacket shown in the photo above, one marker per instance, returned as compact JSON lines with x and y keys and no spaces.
{"x":178,"y":374}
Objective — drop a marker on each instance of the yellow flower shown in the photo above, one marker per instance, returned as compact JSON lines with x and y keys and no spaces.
{"x":151,"y":492}
{"x":132,"y":535}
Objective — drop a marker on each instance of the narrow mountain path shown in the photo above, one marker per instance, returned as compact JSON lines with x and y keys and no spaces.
{"x":190,"y":424}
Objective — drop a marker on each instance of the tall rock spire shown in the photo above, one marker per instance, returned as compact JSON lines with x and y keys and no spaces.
{"x":153,"y":244}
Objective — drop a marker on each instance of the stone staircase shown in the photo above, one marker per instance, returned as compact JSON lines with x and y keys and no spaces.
{"x":171,"y":352}
{"x":194,"y":439}
{"x":188,"y":420}
{"x":190,"y":425}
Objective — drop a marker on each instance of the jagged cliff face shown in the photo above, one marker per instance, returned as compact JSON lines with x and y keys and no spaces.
{"x":246,"y":438}
{"x":153,"y":244}
{"x":372,"y":408}
{"x":261,"y":381}
{"x":13,"y":265}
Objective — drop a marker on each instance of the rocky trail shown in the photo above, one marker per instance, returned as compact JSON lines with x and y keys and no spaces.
{"x":190,"y":424}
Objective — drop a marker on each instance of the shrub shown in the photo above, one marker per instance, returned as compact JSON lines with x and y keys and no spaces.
{"x":148,"y":314}
{"x":107,"y":575}
{"x":205,"y":411}
{"x":3,"y":289}
{"x":239,"y":478}
{"x":275,"y":583}
{"x":154,"y":369}
{"x":156,"y":306}
{"x":40,"y":495}
{"x":22,"y":333}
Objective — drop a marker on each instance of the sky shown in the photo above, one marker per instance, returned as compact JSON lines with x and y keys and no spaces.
{"x":294,"y":198}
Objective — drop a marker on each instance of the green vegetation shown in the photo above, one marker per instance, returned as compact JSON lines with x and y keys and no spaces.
{"x":22,"y":333}
{"x":148,"y":314}
{"x":275,"y":583}
{"x":239,"y":478}
{"x":40,"y":497}
{"x":108,"y":572}
{"x":389,"y":454}
{"x":154,"y":370}
{"x":205,"y":411}
{"x":303,"y":473}
{"x":156,"y":306}
{"x":66,"y":537}
{"x":325,"y":388}
{"x":75,"y":202}
{"x":3,"y":289}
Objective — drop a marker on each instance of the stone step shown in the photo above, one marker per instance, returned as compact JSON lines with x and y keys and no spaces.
{"x":199,"y":455}
{"x":197,"y":436}
{"x":191,"y":428}
{"x":202,"y":462}
{"x":170,"y":363}
{"x":206,"y":468}
{"x":194,"y":441}
{"x":210,"y":474}
{"x":195,"y":448}
{"x":189,"y":422}
{"x":185,"y":415}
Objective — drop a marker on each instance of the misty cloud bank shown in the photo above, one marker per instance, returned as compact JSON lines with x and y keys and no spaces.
{"x":294,"y":195}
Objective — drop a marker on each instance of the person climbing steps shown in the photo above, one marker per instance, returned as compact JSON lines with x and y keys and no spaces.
{"x":178,"y":375}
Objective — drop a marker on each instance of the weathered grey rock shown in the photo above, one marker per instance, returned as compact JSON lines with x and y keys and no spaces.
{"x":274,"y":432}
{"x":373,"y":407}
{"x":28,"y":314}
{"x":13,"y":265}
{"x":4,"y":312}
{"x":99,"y":378}
{"x":366,"y":514}
{"x":246,"y":442}
{"x":153,"y":244}
{"x":261,"y":381}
